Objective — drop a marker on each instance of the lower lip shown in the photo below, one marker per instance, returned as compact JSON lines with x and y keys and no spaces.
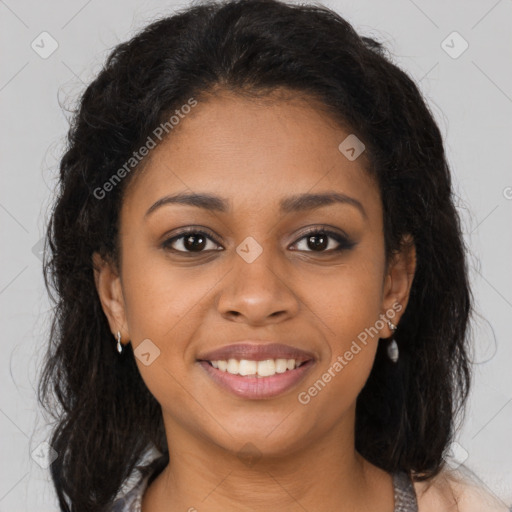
{"x":257,"y":387}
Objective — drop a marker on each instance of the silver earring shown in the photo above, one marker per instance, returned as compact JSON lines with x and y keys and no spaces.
{"x":392,"y":348}
{"x":119,"y":346}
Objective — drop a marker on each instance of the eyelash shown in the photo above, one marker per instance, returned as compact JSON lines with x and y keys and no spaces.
{"x":344,"y":242}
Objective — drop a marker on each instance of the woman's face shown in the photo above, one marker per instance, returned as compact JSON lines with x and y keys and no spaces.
{"x":255,"y":276}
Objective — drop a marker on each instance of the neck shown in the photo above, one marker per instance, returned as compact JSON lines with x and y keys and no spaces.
{"x":327,"y":474}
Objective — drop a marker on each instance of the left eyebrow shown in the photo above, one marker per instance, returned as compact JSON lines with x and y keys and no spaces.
{"x":290,"y":204}
{"x":303,"y":202}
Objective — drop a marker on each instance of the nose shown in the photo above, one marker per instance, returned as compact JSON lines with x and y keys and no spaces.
{"x":257,"y":293}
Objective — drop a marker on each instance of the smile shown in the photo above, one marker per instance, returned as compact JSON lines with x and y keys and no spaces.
{"x":265,"y":368}
{"x":257,"y":379}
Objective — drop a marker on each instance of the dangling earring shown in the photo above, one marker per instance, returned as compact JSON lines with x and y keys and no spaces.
{"x":119,"y":346}
{"x":392,"y":347}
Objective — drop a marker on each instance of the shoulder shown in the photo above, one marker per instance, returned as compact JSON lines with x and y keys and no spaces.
{"x":457,"y":490}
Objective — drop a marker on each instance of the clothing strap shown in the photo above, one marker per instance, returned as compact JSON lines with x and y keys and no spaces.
{"x":405,"y":495}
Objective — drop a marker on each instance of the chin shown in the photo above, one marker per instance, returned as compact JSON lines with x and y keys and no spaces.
{"x":258,"y":437}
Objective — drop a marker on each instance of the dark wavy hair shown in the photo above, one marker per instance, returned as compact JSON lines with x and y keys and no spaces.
{"x":105,"y":415}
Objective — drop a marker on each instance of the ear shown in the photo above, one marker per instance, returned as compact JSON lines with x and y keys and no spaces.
{"x":108,"y":285}
{"x":397,"y":282}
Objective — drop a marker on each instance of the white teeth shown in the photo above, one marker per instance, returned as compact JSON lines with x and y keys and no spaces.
{"x":233,"y":366}
{"x":246,"y":367}
{"x":282,"y":365}
{"x":264,"y":368}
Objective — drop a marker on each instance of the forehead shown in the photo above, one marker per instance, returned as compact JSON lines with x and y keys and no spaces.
{"x":253,"y":152}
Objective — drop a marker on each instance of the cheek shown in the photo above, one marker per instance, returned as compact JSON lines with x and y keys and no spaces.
{"x":350,"y":309}
{"x":164,"y":304}
{"x":350,"y":300}
{"x":349,"y":305}
{"x":160,"y":295}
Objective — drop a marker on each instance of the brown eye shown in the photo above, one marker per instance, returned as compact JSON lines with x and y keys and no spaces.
{"x":322,"y":240}
{"x":191,"y":241}
{"x":318,"y":242}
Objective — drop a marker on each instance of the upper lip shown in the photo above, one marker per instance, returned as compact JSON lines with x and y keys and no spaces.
{"x":256,"y":351}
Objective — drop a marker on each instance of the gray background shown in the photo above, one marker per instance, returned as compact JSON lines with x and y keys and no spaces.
{"x":470,"y":95}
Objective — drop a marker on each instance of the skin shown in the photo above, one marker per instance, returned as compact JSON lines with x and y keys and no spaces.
{"x":255,"y":153}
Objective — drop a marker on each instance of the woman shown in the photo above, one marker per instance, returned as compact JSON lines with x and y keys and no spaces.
{"x":262,"y":293}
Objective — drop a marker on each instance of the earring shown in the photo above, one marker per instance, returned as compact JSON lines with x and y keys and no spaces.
{"x":119,"y":346}
{"x":392,"y":348}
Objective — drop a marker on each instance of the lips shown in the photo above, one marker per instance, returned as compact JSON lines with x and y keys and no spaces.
{"x":256,"y":388}
{"x":284,"y":367}
{"x":256,"y":351}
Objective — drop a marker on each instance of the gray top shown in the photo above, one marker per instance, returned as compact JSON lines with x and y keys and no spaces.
{"x":405,"y":495}
{"x":129,"y":497}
